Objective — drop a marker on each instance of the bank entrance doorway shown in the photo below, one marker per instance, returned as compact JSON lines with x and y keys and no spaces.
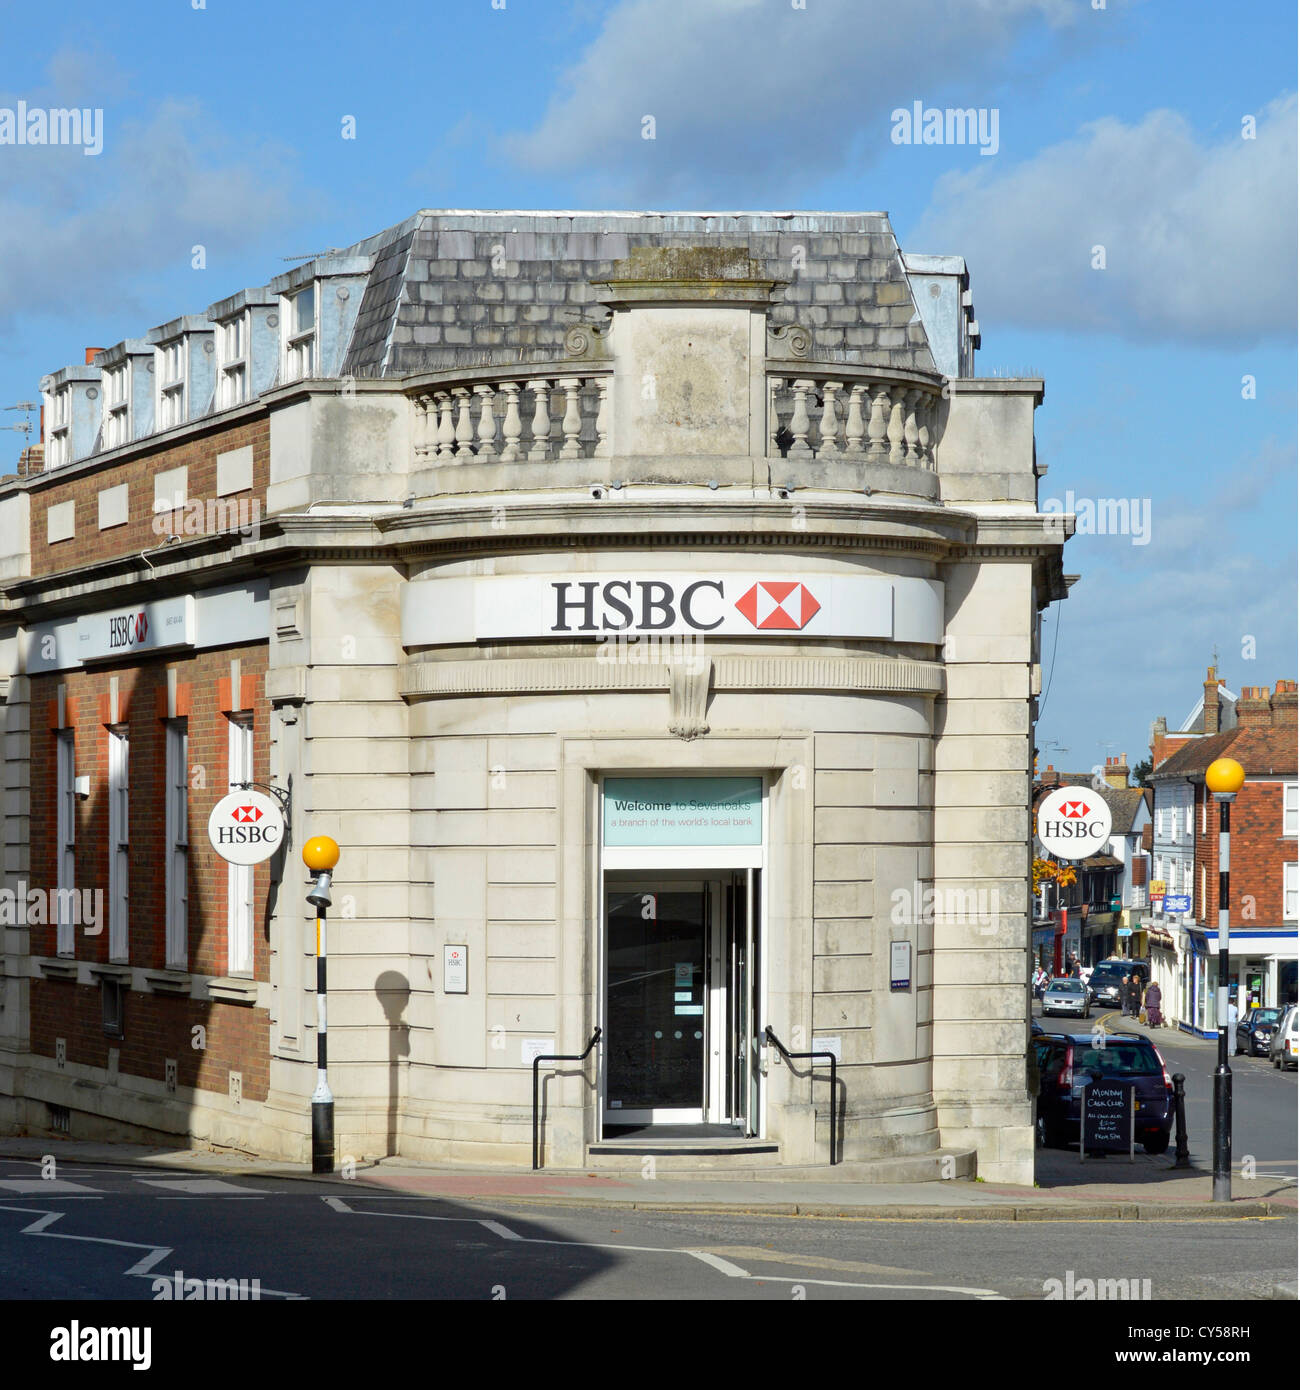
{"x":682,"y":996}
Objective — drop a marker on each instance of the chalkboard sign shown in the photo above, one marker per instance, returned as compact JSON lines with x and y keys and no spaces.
{"x":1107,"y":1124}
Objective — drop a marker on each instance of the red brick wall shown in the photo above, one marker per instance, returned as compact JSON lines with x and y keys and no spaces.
{"x":157,"y":1026}
{"x":1258,"y":850}
{"x":235,"y":1037}
{"x":89,"y":544}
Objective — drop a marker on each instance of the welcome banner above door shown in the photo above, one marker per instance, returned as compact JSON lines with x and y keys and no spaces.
{"x":683,"y":811}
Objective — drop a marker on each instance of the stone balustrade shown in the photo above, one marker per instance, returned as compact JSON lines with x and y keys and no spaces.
{"x":846,"y":415}
{"x":514,"y":415}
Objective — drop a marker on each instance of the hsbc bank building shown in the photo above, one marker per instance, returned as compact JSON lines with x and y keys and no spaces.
{"x":648,"y":604}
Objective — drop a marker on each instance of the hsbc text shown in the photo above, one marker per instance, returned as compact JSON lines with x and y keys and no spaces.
{"x":646,"y":605}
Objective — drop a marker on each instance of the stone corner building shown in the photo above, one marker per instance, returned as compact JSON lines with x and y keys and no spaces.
{"x":647,"y":603}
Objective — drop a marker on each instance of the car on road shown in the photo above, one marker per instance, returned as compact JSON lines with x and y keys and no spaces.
{"x":1108,"y":978}
{"x":1284,"y":1046}
{"x":1067,"y":997}
{"x":1255,"y":1031}
{"x":1069,"y":1062}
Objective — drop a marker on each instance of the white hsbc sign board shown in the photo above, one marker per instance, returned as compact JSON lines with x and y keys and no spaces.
{"x":1073,"y":822}
{"x":139,"y":627}
{"x":246,"y":827}
{"x":494,"y":608}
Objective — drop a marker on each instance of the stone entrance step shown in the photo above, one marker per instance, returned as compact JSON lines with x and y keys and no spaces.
{"x":761,"y":1159}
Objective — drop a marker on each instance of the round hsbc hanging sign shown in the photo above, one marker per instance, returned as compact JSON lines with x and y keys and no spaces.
{"x":246,"y":827}
{"x":1073,"y":822}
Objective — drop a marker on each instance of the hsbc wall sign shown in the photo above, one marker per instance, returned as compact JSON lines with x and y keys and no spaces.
{"x":246,"y":827}
{"x":671,"y":604}
{"x":1073,"y":822}
{"x":141,"y":627}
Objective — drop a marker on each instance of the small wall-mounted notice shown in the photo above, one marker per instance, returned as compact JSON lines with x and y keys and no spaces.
{"x":831,"y":1045}
{"x":530,"y":1048}
{"x":900,"y":965}
{"x":455,"y":969}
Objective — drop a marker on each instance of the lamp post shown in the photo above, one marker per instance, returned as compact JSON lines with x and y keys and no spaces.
{"x":1223,"y":777}
{"x":321,"y":854}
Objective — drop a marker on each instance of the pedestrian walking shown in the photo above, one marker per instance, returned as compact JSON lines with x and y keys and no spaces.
{"x":1133,"y":995}
{"x":1154,"y":1017}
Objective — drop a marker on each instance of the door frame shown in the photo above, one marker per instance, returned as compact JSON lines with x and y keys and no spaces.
{"x":719,"y":988}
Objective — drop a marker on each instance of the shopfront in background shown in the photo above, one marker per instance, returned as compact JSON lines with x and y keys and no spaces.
{"x":1261,"y":970}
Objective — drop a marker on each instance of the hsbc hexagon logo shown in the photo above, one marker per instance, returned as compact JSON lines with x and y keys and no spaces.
{"x":1073,"y":823}
{"x":774,"y":605}
{"x":245,"y":814}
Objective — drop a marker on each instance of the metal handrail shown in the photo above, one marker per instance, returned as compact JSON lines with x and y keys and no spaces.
{"x":805,"y":1056}
{"x":553,"y":1057}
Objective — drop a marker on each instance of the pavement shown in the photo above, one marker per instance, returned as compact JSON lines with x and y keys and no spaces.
{"x":1149,"y":1189}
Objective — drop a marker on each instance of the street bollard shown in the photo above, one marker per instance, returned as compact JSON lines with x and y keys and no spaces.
{"x":1182,"y":1158}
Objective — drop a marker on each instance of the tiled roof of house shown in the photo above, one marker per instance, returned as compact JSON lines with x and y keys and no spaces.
{"x":1263,"y":752}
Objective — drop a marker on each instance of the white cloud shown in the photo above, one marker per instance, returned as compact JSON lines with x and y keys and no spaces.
{"x":1199,"y":237}
{"x":80,"y":234}
{"x":754,"y":95}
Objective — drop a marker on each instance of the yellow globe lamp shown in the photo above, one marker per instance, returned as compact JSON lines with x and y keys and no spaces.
{"x":1224,"y":777}
{"x":320,"y":854}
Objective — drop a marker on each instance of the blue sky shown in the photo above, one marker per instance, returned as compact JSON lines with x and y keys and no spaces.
{"x":1120,"y":126}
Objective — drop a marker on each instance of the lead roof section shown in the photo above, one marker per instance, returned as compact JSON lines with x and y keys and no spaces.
{"x":451,"y":289}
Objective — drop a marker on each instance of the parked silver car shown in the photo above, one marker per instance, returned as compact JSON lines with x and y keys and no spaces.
{"x":1067,"y":997}
{"x":1282,"y":1048}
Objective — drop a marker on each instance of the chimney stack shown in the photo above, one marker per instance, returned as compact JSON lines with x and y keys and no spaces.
{"x":91,"y":354}
{"x":1284,"y":704}
{"x":1117,"y":772}
{"x":1253,"y":708}
{"x":1212,"y":684}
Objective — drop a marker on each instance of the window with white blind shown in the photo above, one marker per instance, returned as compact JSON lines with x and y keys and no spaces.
{"x":233,"y":381}
{"x":1290,"y":808}
{"x":170,"y":369}
{"x":119,"y":899}
{"x":1189,"y":809}
{"x":1291,"y":891}
{"x":66,"y":833}
{"x":178,"y":844}
{"x":117,"y":407}
{"x":239,"y":877}
{"x":300,"y":334}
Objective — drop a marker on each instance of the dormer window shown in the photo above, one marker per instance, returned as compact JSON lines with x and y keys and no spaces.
{"x":117,"y":407}
{"x":232,"y":384}
{"x":300,"y":348}
{"x":171,"y":384}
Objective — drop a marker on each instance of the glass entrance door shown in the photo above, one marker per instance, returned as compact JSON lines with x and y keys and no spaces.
{"x":657,"y":942}
{"x":681,"y":1001}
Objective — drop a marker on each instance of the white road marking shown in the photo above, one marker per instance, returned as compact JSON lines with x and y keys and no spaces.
{"x":45,"y":1187}
{"x":200,"y":1187}
{"x":503,"y":1231}
{"x":142,"y":1267}
{"x":732,"y":1271}
{"x":718,"y":1263}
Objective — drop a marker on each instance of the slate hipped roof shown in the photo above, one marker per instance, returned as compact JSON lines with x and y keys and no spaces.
{"x":465,"y":288}
{"x":1263,"y":752}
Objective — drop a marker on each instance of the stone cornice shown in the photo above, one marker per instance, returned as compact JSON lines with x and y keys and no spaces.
{"x":425,"y":678}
